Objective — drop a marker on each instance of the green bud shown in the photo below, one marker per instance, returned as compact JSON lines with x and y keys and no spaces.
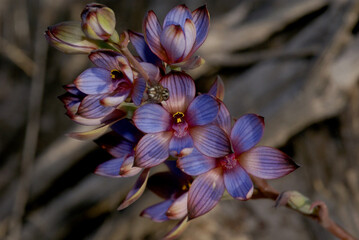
{"x":98,"y":21}
{"x":296,"y":201}
{"x":68,"y":37}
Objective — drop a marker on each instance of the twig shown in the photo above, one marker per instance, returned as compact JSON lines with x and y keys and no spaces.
{"x":318,"y":210}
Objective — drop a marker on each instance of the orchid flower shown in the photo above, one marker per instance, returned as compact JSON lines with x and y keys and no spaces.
{"x":179,"y":124}
{"x":181,"y":34}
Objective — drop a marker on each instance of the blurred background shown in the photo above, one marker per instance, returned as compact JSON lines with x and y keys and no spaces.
{"x":294,"y":62}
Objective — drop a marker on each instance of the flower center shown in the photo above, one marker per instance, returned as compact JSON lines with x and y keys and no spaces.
{"x":228,"y":161}
{"x":115,"y":74}
{"x":178,"y":116}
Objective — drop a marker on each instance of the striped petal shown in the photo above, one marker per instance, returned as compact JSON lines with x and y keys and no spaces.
{"x":177,"y":16}
{"x":116,"y":99}
{"x":173,"y":41}
{"x":181,"y":146}
{"x":152,"y":149}
{"x":181,"y":90}
{"x":143,"y":50}
{"x":110,"y":168}
{"x":137,"y":190}
{"x":125,"y":67}
{"x":152,"y":71}
{"x":217,"y":89}
{"x":152,"y":31}
{"x":139,"y":87}
{"x":106,"y":59}
{"x":111,"y":117}
{"x":210,"y":140}
{"x":196,"y":163}
{"x":246,"y":132}
{"x":91,"y":107}
{"x":190,"y":37}
{"x":201,"y":21}
{"x":223,"y":119}
{"x":267,"y":162}
{"x":202,"y":110}
{"x":94,"y":81}
{"x":115,"y":144}
{"x":178,"y":209}
{"x":152,"y":118}
{"x":238,"y":183}
{"x":205,"y":192}
{"x":157,"y":212}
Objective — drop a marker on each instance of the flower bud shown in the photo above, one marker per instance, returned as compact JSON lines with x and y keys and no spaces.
{"x":98,"y":21}
{"x":69,"y":38}
{"x":296,"y":201}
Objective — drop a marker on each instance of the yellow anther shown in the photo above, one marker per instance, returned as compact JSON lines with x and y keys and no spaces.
{"x":113,"y":73}
{"x":178,"y":116}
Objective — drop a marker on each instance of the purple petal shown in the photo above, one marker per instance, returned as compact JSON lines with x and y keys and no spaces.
{"x":71,"y":88}
{"x":125,"y":67}
{"x":181,"y":146}
{"x":178,"y":209}
{"x":152,"y":71}
{"x":157,"y":212}
{"x":173,"y":41}
{"x":181,"y":90}
{"x":267,"y":162}
{"x":246,"y":132}
{"x":94,"y":81}
{"x":116,"y":145}
{"x":217,"y":89}
{"x":210,"y":140}
{"x":127,"y":169}
{"x":177,"y":16}
{"x":116,"y":99}
{"x":137,"y":190}
{"x":152,"y":118}
{"x":110,"y":168}
{"x":177,"y":230}
{"x":143,"y":50}
{"x":106,"y":59}
{"x":201,"y":21}
{"x":192,"y":63}
{"x":91,"y":107}
{"x":205,"y":192}
{"x":126,"y":129}
{"x":223,"y":119}
{"x":113,"y":116}
{"x":153,"y":30}
{"x":238,"y":183}
{"x":196,"y":163}
{"x":152,"y":149}
{"x":139,"y":87}
{"x":190,"y":37}
{"x":202,"y":110}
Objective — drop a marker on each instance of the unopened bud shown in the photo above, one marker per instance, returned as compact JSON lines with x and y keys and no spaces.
{"x":98,"y":21}
{"x":69,"y":38}
{"x":296,"y":201}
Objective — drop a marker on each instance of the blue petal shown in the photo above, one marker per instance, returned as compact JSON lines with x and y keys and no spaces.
{"x":217,"y":89}
{"x":110,"y":168}
{"x":267,"y":162}
{"x":177,"y":16}
{"x":106,"y":59}
{"x":173,"y":41}
{"x":116,"y":145}
{"x":196,"y":163}
{"x":157,"y":212}
{"x":223,"y":119}
{"x":202,"y":110}
{"x":152,"y":149}
{"x":181,"y":146}
{"x":238,"y":183}
{"x":152,"y":118}
{"x":152,"y":31}
{"x":210,"y":140}
{"x":205,"y":192}
{"x":246,"y":132}
{"x":139,"y":87}
{"x":91,"y":107}
{"x":94,"y":81}
{"x":126,"y":129}
{"x":201,"y":21}
{"x":143,"y":50}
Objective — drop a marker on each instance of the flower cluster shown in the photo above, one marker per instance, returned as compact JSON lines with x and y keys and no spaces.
{"x":148,"y":112}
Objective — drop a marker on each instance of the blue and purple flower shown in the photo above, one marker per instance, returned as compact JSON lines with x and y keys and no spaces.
{"x":232,"y":172}
{"x":179,"y":124}
{"x":181,"y":34}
